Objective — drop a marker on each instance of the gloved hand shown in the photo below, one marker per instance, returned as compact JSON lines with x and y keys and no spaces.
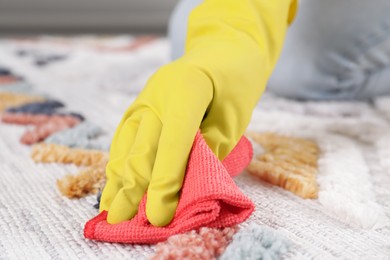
{"x":232,"y":46}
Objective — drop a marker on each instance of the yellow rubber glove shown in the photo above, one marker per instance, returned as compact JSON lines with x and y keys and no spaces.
{"x":232,"y":47}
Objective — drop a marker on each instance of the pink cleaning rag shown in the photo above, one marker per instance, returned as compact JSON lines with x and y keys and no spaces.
{"x":209,"y":198}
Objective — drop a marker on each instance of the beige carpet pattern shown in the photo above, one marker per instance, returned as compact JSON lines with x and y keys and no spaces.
{"x":349,"y":220}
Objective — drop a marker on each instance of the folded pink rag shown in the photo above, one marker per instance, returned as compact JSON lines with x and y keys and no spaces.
{"x":209,"y":198}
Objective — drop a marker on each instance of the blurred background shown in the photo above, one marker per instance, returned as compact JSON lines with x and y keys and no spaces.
{"x":84,"y":16}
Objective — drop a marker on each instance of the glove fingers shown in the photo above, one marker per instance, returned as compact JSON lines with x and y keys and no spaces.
{"x":221,"y":140}
{"x":120,"y":147}
{"x":124,"y":135}
{"x":169,"y":170}
{"x":137,"y":170}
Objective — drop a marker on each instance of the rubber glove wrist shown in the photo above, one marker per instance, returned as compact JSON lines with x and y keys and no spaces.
{"x":236,"y":44}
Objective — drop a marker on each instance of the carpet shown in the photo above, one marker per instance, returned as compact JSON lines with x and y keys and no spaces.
{"x":99,"y":77}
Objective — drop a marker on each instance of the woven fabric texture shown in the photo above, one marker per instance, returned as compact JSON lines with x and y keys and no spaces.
{"x":209,"y":198}
{"x":349,"y":220}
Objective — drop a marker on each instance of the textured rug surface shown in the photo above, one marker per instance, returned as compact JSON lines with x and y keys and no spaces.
{"x":100,"y":77}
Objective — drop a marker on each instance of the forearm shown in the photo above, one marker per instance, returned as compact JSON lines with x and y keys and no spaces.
{"x":254,"y":24}
{"x":236,"y":45}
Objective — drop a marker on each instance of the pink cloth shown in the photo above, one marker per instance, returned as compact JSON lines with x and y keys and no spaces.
{"x":209,"y":198}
